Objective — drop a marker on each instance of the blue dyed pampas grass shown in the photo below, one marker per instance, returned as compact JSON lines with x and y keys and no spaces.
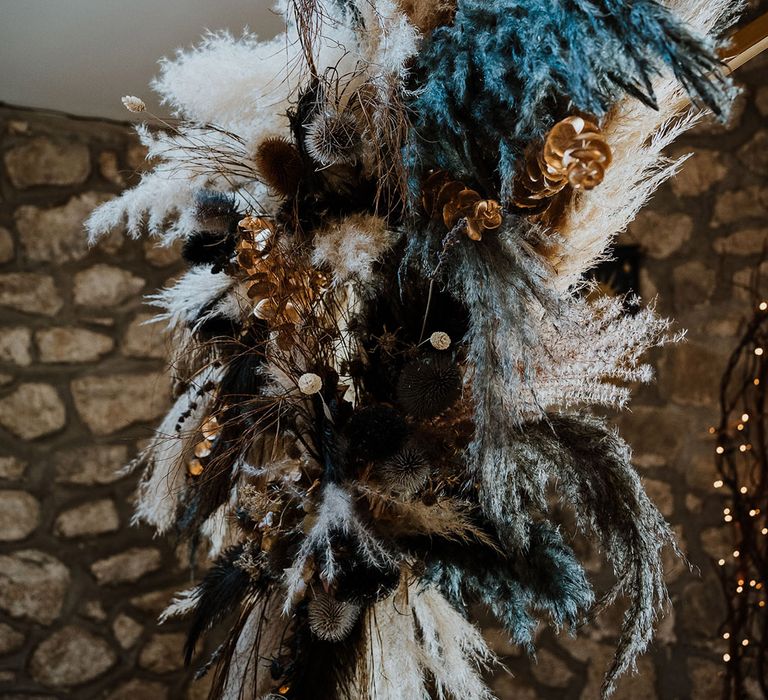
{"x":505,"y":70}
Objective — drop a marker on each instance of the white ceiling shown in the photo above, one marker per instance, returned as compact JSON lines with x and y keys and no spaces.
{"x":81,"y":56}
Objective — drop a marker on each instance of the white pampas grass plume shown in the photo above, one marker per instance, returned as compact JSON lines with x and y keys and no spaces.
{"x":329,"y":619}
{"x":350,"y":247}
{"x":637,"y":135}
{"x":590,"y":354}
{"x":162,"y":485}
{"x":414,"y":635}
{"x":453,"y":648}
{"x":195,"y":290}
{"x":183,"y":602}
{"x":133,"y":103}
{"x":335,"y":513}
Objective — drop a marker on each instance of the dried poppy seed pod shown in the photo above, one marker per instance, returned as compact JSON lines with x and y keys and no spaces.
{"x":310,"y":383}
{"x":195,"y":467}
{"x":440,"y":340}
{"x":265,"y":310}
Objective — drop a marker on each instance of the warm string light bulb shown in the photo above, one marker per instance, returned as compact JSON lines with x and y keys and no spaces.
{"x":743,"y":489}
{"x":718,"y":484}
{"x":719,"y":449}
{"x":721,"y":562}
{"x":726,"y":635}
{"x":763,"y":305}
{"x":744,"y":417}
{"x":726,"y":658}
{"x":758,"y":351}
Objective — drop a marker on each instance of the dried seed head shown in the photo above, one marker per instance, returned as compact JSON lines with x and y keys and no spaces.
{"x":429,"y":385}
{"x":133,"y":103}
{"x":310,"y":383}
{"x":333,"y":137}
{"x":329,"y":619}
{"x":407,"y":471}
{"x":279,"y":164}
{"x":440,"y":340}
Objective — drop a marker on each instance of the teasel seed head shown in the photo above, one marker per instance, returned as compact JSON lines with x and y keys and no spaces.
{"x":329,"y":619}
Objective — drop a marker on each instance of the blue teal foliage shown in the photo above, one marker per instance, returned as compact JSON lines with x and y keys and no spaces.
{"x":506,"y":70}
{"x":545,"y":578}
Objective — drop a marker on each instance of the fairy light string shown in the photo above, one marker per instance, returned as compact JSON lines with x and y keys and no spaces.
{"x":741,"y":460}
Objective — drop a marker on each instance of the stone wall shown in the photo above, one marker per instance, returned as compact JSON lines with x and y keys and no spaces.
{"x":81,"y":385}
{"x":82,"y":382}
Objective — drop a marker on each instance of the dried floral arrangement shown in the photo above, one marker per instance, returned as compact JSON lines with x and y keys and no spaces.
{"x":385,"y":363}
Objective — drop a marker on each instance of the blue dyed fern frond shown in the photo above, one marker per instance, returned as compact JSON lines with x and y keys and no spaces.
{"x":506,"y":70}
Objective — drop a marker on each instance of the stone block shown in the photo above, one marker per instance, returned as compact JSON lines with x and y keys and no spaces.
{"x":56,"y":234}
{"x":19,"y":515}
{"x":16,"y":346}
{"x":30,"y":292}
{"x":105,"y":286}
{"x":71,"y":656}
{"x":126,"y":630}
{"x":108,"y":404}
{"x":95,"y":464}
{"x":93,"y":518}
{"x":7,"y":251}
{"x":72,"y":345}
{"x":699,"y":173}
{"x":127,"y":567}
{"x":32,"y":411}
{"x":163,"y":653}
{"x":660,"y":235}
{"x":33,"y":585}
{"x":145,"y":339}
{"x":42,"y":161}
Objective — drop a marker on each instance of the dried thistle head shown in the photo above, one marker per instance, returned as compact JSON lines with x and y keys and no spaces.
{"x":334,"y":137}
{"x":279,"y":164}
{"x":407,"y":471}
{"x":429,"y":385}
{"x":329,"y":619}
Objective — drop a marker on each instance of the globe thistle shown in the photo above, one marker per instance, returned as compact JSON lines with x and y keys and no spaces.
{"x":429,"y":385}
{"x":406,"y":472}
